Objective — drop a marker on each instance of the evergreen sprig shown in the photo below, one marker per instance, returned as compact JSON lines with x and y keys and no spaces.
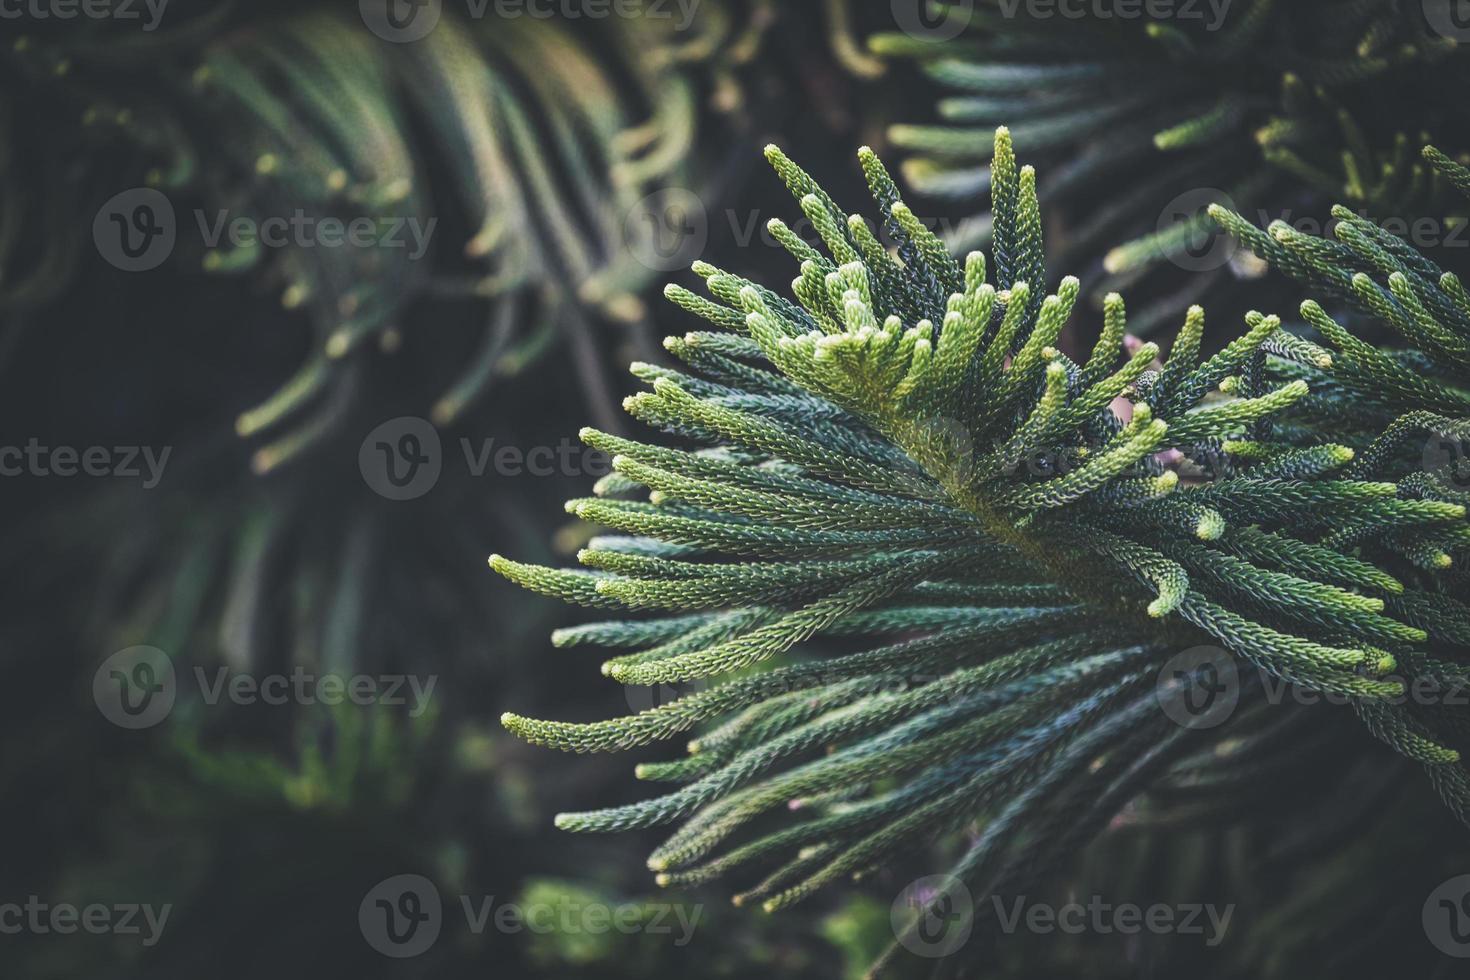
{"x":1262,"y":100}
{"x":501,"y":162}
{"x":936,"y":564}
{"x":1397,"y":392}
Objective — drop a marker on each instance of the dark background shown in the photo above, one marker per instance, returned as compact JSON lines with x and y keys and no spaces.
{"x":265,"y":827}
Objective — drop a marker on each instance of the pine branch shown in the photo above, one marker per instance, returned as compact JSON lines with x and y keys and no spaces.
{"x":1157,"y":115}
{"x":940,"y":453}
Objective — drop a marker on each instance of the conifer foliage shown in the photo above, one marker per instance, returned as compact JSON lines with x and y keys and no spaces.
{"x":1273,"y":102}
{"x":1417,"y":383}
{"x":489,"y":167}
{"x":925,"y":568}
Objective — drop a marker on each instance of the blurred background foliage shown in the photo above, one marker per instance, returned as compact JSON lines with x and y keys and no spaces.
{"x":547,"y":151}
